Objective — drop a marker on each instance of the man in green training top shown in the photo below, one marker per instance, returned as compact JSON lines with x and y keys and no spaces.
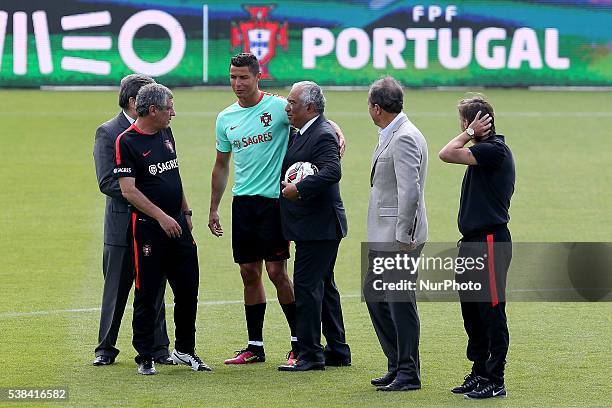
{"x":256,"y":129}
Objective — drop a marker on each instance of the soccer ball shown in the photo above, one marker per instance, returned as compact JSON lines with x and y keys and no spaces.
{"x":299,"y":171}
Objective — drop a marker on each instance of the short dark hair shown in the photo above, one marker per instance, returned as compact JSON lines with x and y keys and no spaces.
{"x":152,"y":94}
{"x":130,"y":85}
{"x":469,"y":107}
{"x":246,"y":59}
{"x":388,"y":94}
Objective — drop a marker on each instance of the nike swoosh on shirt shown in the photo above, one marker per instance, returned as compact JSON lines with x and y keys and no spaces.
{"x":234,"y":127}
{"x":145,"y":154}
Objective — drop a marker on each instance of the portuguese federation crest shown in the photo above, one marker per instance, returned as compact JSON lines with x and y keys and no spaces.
{"x":260,"y":36}
{"x":169,"y":146}
{"x":266,"y":118}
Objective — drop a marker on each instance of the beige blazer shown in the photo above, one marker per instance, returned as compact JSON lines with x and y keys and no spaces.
{"x":396,"y":210}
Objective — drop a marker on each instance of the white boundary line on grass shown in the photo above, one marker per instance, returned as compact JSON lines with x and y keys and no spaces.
{"x":346,"y":88}
{"x":7,"y":315}
{"x":532,"y":114}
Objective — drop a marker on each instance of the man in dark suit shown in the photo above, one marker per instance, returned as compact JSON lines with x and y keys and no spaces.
{"x":117,"y":259}
{"x":312,"y":215}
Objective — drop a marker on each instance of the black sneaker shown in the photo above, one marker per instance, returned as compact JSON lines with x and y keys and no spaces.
{"x":487,"y":390}
{"x":164,"y":360}
{"x":470,"y":382}
{"x":146,"y":367}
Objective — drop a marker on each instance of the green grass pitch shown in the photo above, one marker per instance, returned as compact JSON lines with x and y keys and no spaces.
{"x":51,"y":245}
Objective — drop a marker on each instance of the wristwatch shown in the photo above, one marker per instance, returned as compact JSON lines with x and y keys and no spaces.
{"x":188,"y":212}
{"x":470,"y":132}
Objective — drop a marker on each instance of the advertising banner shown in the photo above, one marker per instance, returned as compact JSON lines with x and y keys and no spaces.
{"x":342,"y":42}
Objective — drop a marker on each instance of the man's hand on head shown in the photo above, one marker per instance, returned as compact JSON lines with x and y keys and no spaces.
{"x":481,"y":126}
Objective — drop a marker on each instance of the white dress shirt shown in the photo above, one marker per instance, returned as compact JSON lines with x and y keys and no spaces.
{"x":128,"y":117}
{"x":384,"y":134}
{"x":307,"y":125}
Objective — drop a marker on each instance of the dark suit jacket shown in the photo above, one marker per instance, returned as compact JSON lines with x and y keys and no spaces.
{"x":116,"y":218}
{"x":319,"y":213}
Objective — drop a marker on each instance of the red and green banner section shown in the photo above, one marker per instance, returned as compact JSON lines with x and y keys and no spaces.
{"x":190,"y":43}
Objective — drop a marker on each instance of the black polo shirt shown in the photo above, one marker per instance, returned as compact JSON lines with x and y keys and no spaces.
{"x":151,"y":160}
{"x":487,"y":187}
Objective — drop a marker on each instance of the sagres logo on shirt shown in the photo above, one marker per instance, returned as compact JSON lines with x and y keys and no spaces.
{"x":162,"y":167}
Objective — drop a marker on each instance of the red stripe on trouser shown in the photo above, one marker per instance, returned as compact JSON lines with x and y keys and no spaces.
{"x":492,"y":282}
{"x":137,"y":281}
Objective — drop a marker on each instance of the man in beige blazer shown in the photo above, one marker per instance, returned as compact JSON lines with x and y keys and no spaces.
{"x":397,"y":222}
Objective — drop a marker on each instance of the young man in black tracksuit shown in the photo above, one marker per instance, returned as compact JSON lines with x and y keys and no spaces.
{"x":486,"y":191}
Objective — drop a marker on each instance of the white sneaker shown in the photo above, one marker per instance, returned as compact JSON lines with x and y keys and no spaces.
{"x":191,"y":360}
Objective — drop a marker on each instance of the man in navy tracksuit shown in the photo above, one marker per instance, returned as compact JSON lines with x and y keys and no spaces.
{"x":148,"y":171}
{"x":486,"y":191}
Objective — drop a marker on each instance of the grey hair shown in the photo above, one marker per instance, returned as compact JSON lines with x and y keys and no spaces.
{"x":152,"y":94}
{"x":311,"y":93}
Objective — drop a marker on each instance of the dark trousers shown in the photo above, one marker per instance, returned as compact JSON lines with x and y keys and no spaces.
{"x":318,"y":302}
{"x":158,"y":257}
{"x":485,"y":320}
{"x":396,"y":322}
{"x":118,"y":270}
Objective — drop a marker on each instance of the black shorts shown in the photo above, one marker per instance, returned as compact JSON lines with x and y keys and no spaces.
{"x":256,"y":230}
